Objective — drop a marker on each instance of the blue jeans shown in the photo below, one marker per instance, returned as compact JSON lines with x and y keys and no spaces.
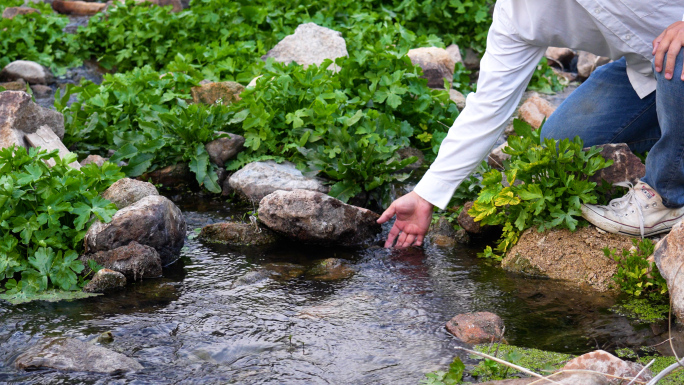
{"x":606,"y":109}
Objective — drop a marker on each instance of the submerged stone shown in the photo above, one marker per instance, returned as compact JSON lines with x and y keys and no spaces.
{"x":105,"y":280}
{"x":476,"y":328}
{"x":70,"y":354}
{"x":238,"y":234}
{"x":330,"y":269}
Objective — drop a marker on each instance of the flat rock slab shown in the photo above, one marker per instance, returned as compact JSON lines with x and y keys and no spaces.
{"x":46,"y":139}
{"x":310,"y":44}
{"x":70,"y":354}
{"x":314,"y":217}
{"x":20,"y":116}
{"x":153,"y":221}
{"x":570,"y":256}
{"x":258,"y":179}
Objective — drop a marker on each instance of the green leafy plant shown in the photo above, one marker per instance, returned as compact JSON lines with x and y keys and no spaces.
{"x":453,"y":376}
{"x":636,"y":275}
{"x":46,"y":212}
{"x":38,"y":37}
{"x":545,"y":80}
{"x":554,"y":185}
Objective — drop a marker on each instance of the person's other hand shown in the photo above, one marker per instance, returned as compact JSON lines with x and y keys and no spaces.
{"x":668,"y":44}
{"x":414,"y":215}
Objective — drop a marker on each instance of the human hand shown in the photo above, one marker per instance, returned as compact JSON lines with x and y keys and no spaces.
{"x":668,"y":44}
{"x":414,"y":215}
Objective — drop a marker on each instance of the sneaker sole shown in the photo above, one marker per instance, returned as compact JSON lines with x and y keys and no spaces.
{"x":611,"y":226}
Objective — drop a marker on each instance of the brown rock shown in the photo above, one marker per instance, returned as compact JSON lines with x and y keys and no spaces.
{"x":436,"y":63}
{"x":562,"y":56}
{"x":96,"y":159}
{"x":238,"y":234}
{"x":106,"y":280}
{"x":467,"y":222}
{"x":331,"y":269}
{"x":126,"y":192}
{"x":153,"y":221}
{"x":476,"y":328}
{"x":134,"y":261}
{"x":223,"y":92}
{"x":457,"y":98}
{"x":443,"y":234}
{"x":471,"y":60}
{"x":223,"y":149}
{"x":70,"y":354}
{"x":77,"y":8}
{"x":40,"y":91}
{"x":11,"y":12}
{"x":174,"y":176}
{"x":626,"y":167}
{"x":407,"y":152}
{"x":17,"y":85}
{"x":31,"y":72}
{"x":535,"y":110}
{"x":571,"y":256}
{"x":20,"y":116}
{"x":606,"y":363}
{"x":313,"y":217}
{"x":669,"y":257}
{"x":455,"y":53}
{"x":588,"y":62}
{"x":497,"y":157}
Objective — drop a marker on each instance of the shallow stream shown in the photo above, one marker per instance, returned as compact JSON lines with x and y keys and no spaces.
{"x":385,"y":325}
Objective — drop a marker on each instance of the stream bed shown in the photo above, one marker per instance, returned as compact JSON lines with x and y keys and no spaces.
{"x":385,"y":325}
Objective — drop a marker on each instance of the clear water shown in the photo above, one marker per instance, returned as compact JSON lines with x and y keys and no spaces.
{"x":384,"y":325}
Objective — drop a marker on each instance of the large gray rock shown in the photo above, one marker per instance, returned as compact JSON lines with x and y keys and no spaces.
{"x":134,"y":261}
{"x":313,"y":217}
{"x":437,"y":65}
{"x":310,"y":44}
{"x":106,"y":280}
{"x":669,"y":257}
{"x":70,"y":354}
{"x":222,"y":149}
{"x":126,"y":191}
{"x":20,"y":116}
{"x":626,"y":167}
{"x":31,"y":72}
{"x":153,"y":221}
{"x":258,"y":179}
{"x":569,"y":256}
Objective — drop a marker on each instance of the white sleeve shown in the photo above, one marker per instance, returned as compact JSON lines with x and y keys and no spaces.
{"x":505,"y":71}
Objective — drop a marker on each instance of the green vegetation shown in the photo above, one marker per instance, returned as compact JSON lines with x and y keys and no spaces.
{"x":38,"y":37}
{"x":453,"y":376}
{"x":675,"y":378}
{"x":45,"y":215}
{"x":642,"y":310}
{"x":554,"y":185}
{"x":636,"y":275}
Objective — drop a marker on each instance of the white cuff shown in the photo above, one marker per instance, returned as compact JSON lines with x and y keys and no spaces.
{"x":435,"y":190}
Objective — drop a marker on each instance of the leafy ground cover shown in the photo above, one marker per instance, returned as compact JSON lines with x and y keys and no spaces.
{"x":46,"y":211}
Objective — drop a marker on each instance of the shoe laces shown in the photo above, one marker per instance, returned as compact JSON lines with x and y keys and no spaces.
{"x":630,"y":199}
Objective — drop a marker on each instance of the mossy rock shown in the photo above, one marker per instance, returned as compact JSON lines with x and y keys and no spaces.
{"x":237,"y":234}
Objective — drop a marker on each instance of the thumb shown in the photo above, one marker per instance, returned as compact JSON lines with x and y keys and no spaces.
{"x":387,"y":215}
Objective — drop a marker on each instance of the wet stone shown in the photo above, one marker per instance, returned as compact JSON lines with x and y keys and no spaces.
{"x":105,"y":280}
{"x":476,"y":328}
{"x":70,"y":354}
{"x":443,"y":234}
{"x":237,"y":234}
{"x":134,"y":261}
{"x":330,"y":269}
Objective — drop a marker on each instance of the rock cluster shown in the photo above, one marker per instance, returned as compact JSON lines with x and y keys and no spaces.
{"x":19,"y":116}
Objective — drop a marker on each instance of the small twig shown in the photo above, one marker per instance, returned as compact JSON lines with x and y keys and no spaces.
{"x":641,"y":372}
{"x":520,"y":368}
{"x":660,"y":343}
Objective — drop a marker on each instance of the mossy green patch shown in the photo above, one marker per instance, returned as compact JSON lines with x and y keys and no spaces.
{"x":642,"y":310}
{"x":539,"y":361}
{"x":675,"y":378}
{"x":48,"y":295}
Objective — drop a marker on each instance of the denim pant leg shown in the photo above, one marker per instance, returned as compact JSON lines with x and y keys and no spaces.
{"x":606,"y":109}
{"x":665,"y":161}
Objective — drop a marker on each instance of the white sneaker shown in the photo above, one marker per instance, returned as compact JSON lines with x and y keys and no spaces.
{"x":639,"y":213}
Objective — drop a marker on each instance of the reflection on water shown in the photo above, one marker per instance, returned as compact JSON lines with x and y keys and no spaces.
{"x":384,"y":325}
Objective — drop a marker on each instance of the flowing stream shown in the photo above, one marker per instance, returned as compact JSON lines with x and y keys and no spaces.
{"x":385,"y":325}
